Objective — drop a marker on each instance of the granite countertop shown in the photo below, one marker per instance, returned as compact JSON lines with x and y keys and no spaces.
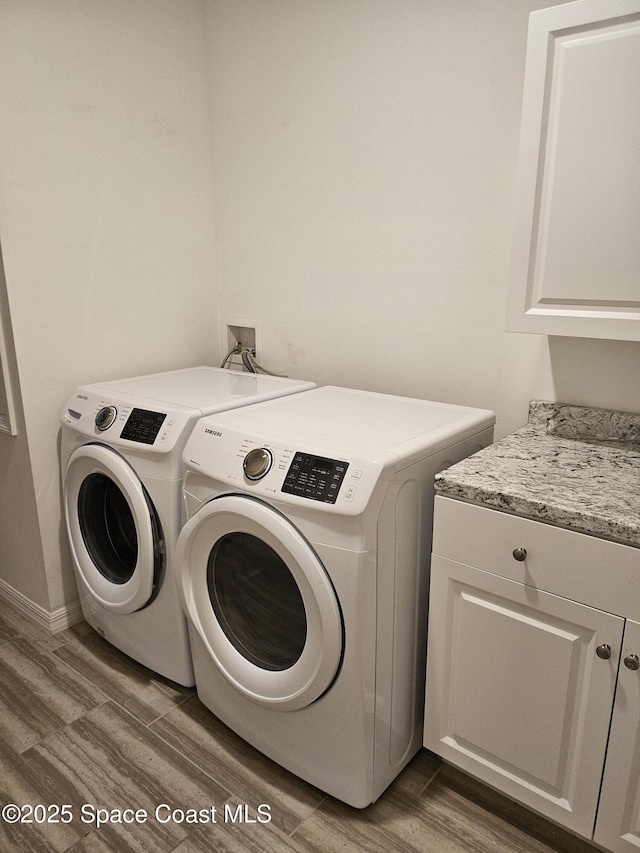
{"x":570,"y":466}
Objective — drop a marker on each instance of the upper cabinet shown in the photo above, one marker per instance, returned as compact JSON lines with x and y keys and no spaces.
{"x":575,"y":266}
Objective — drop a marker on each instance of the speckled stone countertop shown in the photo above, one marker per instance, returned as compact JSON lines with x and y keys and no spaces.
{"x":570,"y":466}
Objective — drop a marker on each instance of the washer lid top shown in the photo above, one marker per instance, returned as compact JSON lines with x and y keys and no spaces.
{"x":209,"y":389}
{"x":153,"y":415}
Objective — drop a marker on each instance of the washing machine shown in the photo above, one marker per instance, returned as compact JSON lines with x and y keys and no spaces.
{"x":303,"y":568}
{"x":121,"y":455}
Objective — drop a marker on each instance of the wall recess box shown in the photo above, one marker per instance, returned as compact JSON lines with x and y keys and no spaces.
{"x":242,"y":331}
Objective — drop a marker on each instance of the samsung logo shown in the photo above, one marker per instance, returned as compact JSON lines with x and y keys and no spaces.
{"x":213,"y":432}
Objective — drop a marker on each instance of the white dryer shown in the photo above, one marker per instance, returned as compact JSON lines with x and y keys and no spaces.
{"x":303,"y":569}
{"x":122,"y":445}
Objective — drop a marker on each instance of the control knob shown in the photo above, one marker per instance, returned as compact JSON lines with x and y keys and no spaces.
{"x":257,"y":462}
{"x":105,"y":417}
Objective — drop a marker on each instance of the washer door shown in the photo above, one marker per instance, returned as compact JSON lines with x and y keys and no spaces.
{"x":113,"y":528}
{"x":261,"y":601}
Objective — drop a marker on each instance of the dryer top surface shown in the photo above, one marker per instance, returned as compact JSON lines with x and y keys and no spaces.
{"x":342,"y":419}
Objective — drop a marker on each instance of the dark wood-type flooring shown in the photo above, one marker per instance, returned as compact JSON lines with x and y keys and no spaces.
{"x":83,"y":726}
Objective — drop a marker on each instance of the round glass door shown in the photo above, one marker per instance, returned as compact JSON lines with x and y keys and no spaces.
{"x":256,"y":601}
{"x":108,"y":528}
{"x":261,"y":601}
{"x":114,"y":532}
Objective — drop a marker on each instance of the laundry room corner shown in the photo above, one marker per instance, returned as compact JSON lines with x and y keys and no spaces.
{"x":365,"y":183}
{"x":347,"y":170}
{"x":319,"y":437}
{"x":106,"y":228}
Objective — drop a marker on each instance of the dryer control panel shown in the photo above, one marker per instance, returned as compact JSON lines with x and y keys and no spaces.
{"x":315,"y":477}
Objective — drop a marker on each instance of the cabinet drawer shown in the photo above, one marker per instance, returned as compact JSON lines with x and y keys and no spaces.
{"x":583,"y":568}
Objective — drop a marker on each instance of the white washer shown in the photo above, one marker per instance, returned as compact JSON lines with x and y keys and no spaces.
{"x":122,"y":445}
{"x":303,"y":570}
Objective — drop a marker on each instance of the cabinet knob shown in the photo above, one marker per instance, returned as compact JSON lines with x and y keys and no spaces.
{"x":520,"y":554}
{"x":604,"y":651}
{"x":632,"y":662}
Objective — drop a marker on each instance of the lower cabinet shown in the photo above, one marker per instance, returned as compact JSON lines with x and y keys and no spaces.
{"x":618,"y":823}
{"x":535,"y":693}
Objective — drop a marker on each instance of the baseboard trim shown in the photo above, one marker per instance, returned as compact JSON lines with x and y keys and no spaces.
{"x":53,"y":622}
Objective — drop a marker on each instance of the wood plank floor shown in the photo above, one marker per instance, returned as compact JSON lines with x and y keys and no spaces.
{"x":83,"y":726}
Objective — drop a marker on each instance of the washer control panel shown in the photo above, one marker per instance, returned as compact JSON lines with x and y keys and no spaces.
{"x":143,"y":426}
{"x":122,"y":423}
{"x":106,"y":417}
{"x":315,"y":477}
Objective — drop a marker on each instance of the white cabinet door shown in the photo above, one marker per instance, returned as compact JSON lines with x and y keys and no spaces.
{"x":618,"y":824}
{"x":517,"y":694}
{"x":576,"y":252}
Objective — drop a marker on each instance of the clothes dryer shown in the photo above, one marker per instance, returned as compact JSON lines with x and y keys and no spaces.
{"x":303,"y":568}
{"x":122,"y":445}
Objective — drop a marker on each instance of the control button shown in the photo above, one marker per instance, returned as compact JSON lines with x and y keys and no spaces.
{"x":356,"y":475}
{"x":105,"y":417}
{"x":257,"y":462}
{"x":349,"y":493}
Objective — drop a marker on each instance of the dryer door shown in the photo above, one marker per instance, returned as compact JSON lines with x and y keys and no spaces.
{"x":114,"y":531}
{"x":261,"y":600}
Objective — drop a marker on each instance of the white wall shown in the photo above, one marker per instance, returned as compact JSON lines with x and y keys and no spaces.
{"x":364,"y":155}
{"x":105,"y":220}
{"x":21,"y":554}
{"x":364,"y":165}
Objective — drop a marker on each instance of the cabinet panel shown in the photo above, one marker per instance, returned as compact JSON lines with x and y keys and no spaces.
{"x":516,"y":694}
{"x":573,"y":565}
{"x":575,"y":252}
{"x":618,"y":824}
